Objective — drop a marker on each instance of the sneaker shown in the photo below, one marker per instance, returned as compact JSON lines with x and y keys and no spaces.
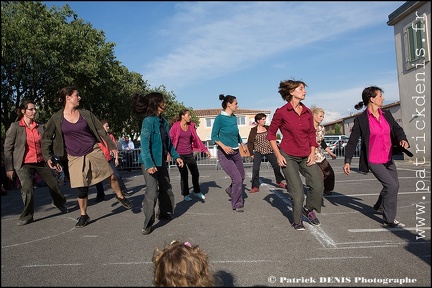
{"x":146,"y":231}
{"x":82,"y":221}
{"x":99,"y":199}
{"x":199,"y":195}
{"x":328,"y":192}
{"x":395,"y":224}
{"x":187,"y":198}
{"x":254,"y":190}
{"x":310,"y":215}
{"x":299,"y":226}
{"x":281,"y":185}
{"x":25,"y":222}
{"x":239,"y":209}
{"x":229,"y":194}
{"x":125,"y":202}
{"x":127,"y":193}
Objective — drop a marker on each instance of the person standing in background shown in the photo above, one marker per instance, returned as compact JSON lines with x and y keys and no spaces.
{"x":327,"y":170}
{"x":155,"y":146}
{"x":225,"y":134}
{"x":77,"y":132}
{"x":128,"y":147}
{"x":297,"y":152}
{"x":186,"y":140}
{"x":113,"y":159}
{"x":259,"y":147}
{"x":23,"y":154}
{"x":379,"y":132}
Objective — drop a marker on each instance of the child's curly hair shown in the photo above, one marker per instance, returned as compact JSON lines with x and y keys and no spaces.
{"x":181,"y":264}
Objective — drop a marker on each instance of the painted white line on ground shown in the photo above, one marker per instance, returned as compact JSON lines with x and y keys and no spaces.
{"x":339,"y":258}
{"x":319,"y":234}
{"x":386,"y":229}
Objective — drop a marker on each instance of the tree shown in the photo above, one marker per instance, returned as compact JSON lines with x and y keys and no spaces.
{"x":44,"y":50}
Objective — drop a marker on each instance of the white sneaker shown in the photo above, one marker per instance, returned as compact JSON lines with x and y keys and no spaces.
{"x":395,"y":224}
{"x":199,"y":195}
{"x":187,"y":198}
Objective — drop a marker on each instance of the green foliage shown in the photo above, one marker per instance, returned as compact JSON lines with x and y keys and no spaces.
{"x":338,"y":129}
{"x":44,"y":50}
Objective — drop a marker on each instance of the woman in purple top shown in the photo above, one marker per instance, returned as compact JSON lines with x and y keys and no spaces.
{"x":77,"y":132}
{"x":185,"y":139}
{"x":296,"y":152}
{"x":379,"y":133}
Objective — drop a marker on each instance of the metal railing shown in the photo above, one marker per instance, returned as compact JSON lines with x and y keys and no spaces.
{"x":129,"y":159}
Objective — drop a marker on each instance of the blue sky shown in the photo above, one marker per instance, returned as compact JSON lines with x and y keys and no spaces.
{"x":199,"y":50}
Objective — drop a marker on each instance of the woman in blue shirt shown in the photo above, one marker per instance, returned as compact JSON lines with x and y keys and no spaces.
{"x":225,"y":134}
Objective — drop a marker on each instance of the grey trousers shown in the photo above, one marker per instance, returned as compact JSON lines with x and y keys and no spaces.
{"x":387,"y":176}
{"x":26,"y":175}
{"x":158,"y":187}
{"x":314,"y":179}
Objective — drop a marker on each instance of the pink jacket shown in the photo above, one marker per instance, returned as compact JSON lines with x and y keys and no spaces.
{"x":197,"y":144}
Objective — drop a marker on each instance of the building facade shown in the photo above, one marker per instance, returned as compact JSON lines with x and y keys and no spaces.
{"x":411,"y":23}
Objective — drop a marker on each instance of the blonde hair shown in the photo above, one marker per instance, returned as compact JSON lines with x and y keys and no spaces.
{"x":181,"y":264}
{"x":316,"y":110}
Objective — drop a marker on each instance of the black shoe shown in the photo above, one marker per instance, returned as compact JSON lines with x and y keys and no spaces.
{"x":99,"y":199}
{"x":82,"y":221}
{"x":62,"y":208}
{"x":147,"y":230}
{"x":25,"y":222}
{"x":378,"y":209}
{"x":167,"y":217}
{"x":310,"y":215}
{"x":125,"y":202}
{"x":127,"y":193}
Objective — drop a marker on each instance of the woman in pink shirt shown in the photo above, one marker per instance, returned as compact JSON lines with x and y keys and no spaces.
{"x":186,"y":141}
{"x":23,"y":155}
{"x":379,"y":133}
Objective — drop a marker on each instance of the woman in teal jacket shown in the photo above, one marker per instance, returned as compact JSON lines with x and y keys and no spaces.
{"x":155,"y":146}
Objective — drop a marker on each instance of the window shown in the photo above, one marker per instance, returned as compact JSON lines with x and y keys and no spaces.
{"x":415,"y":37}
{"x":209,"y":122}
{"x":241,"y":120}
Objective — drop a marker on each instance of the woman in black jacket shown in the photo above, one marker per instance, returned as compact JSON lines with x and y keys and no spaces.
{"x":379,"y":132}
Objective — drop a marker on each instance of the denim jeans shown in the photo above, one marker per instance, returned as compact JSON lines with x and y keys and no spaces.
{"x":232,"y":164}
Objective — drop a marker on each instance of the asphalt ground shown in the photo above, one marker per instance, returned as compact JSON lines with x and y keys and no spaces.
{"x":255,"y":248}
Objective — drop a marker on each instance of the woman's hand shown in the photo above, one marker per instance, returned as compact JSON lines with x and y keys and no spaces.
{"x":152,"y":170}
{"x":311,"y":159}
{"x":347,"y":169}
{"x":404,"y":144}
{"x":10,"y":174}
{"x":179,"y":162}
{"x":281,"y":160}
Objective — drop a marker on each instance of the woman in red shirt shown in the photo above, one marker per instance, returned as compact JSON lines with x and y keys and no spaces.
{"x":297,"y":152}
{"x":23,"y":154}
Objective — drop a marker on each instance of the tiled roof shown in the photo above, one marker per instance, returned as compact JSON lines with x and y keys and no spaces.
{"x":215,"y":112}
